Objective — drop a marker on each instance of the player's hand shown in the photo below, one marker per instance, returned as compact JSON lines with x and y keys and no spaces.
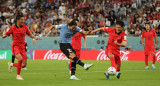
{"x":37,"y":38}
{"x":116,"y":42}
{"x":92,"y":32}
{"x":4,"y":36}
{"x":85,"y":46}
{"x":34,"y":42}
{"x":90,"y":28}
{"x":143,"y":44}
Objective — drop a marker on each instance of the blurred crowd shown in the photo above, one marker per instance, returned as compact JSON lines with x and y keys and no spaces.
{"x":41,"y":14}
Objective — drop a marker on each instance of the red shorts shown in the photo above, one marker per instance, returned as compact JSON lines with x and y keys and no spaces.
{"x":116,"y":55}
{"x":149,"y":49}
{"x":78,"y":53}
{"x":19,"y":50}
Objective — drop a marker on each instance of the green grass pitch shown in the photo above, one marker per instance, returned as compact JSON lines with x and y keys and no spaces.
{"x":55,"y":73}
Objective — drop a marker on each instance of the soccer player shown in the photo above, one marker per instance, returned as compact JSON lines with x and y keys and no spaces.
{"x":117,"y":39}
{"x":66,"y":33}
{"x":26,"y":48}
{"x":149,"y":36}
{"x":76,"y":44}
{"x":19,"y":31}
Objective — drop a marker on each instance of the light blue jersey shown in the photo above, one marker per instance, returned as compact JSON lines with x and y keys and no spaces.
{"x":25,"y":40}
{"x":66,"y":34}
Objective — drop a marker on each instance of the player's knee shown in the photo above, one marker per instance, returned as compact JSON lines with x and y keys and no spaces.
{"x":110,"y":55}
{"x":19,"y":57}
{"x":72,"y":55}
{"x":153,"y":54}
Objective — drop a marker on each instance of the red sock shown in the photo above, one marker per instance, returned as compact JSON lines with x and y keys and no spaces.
{"x":154,"y":59}
{"x":113,"y":64}
{"x":70,"y":65}
{"x":15,"y":64}
{"x":146,"y":61}
{"x":19,"y":67}
{"x":118,"y":69}
{"x":22,"y":66}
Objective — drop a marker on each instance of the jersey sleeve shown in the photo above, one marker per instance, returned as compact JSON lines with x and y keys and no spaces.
{"x":124,"y":37}
{"x":59,"y":26}
{"x":78,"y":29}
{"x":27,"y":31}
{"x":154,"y":34}
{"x":142,"y":36}
{"x":10,"y":31}
{"x":107,"y":29}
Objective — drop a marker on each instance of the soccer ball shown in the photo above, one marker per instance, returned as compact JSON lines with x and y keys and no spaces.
{"x":111,"y":71}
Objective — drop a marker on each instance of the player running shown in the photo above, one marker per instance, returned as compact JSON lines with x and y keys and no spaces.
{"x":26,"y":48}
{"x":66,"y":33}
{"x":117,"y":39}
{"x":149,"y":36}
{"x":19,"y":31}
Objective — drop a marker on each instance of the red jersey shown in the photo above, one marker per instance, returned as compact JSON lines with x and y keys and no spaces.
{"x":18,"y":34}
{"x":149,"y":41}
{"x":76,"y":41}
{"x":113,"y":36}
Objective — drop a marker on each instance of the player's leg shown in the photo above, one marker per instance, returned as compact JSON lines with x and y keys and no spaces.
{"x":146,"y":61}
{"x":118,"y":63}
{"x":19,"y":64}
{"x":13,"y":58}
{"x":112,"y":59}
{"x":154,"y":59}
{"x":147,"y":51}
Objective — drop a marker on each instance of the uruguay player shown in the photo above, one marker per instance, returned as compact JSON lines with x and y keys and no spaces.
{"x":66,"y":33}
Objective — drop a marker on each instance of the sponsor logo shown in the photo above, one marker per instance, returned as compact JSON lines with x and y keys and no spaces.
{"x":123,"y":54}
{"x":54,"y":56}
{"x":3,"y":55}
{"x":158,"y":55}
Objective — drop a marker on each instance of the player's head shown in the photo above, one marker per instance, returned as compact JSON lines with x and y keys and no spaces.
{"x":77,"y":21}
{"x":20,"y":19}
{"x":72,"y":25}
{"x":147,"y":26}
{"x":119,"y":26}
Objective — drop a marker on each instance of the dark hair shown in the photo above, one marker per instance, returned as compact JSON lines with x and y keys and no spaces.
{"x":76,"y":19}
{"x":147,"y":23}
{"x":120,"y":23}
{"x":19,"y":16}
{"x":73,"y":22}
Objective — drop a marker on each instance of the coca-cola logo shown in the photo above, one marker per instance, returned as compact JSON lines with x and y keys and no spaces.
{"x":54,"y":56}
{"x":123,"y":54}
{"x":158,"y":55}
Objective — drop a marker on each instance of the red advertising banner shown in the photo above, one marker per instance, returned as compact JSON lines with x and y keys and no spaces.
{"x":92,"y":55}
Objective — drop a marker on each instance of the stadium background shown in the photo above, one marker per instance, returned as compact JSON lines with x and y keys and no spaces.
{"x":40,"y":14}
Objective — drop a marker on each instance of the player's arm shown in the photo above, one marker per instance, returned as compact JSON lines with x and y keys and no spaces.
{"x":142,"y":37}
{"x":156,"y":41}
{"x":85,"y":43}
{"x":142,"y":41}
{"x":53,"y":26}
{"x":86,"y":32}
{"x":33,"y":37}
{"x":96,"y":30}
{"x":122,"y":44}
{"x":10,"y":31}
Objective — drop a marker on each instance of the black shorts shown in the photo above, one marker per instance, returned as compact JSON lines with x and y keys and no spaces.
{"x":26,"y":47}
{"x":66,"y":48}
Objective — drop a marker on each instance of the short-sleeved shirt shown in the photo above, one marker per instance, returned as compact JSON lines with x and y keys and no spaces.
{"x":18,"y":34}
{"x":76,"y":41}
{"x":66,"y":34}
{"x":113,"y":36}
{"x":149,"y":37}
